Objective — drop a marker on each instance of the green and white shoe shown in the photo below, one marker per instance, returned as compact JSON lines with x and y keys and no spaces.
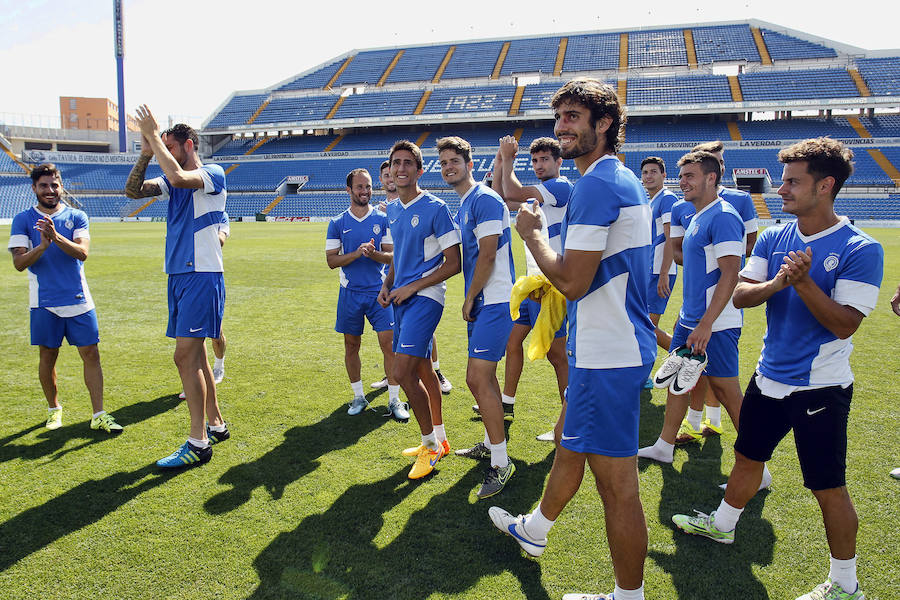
{"x":829,"y":590}
{"x":54,"y":418}
{"x":106,"y":422}
{"x":702,"y":524}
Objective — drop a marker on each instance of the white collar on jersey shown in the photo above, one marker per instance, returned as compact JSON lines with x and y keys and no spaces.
{"x":411,"y":202}
{"x":597,"y":162}
{"x":841,"y":222}
{"x":661,"y":190}
{"x":708,"y":206}
{"x":469,"y":193}
{"x":59,"y":208}
{"x":365,"y":216}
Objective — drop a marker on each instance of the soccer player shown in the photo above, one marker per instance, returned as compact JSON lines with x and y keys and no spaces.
{"x":819,"y":277}
{"x":708,"y":324}
{"x":426,"y":253}
{"x":552,"y":197}
{"x":196,"y":286}
{"x":390,"y":190}
{"x":52,"y":241}
{"x":663,"y":269}
{"x":487,"y":264}
{"x":359,"y":244}
{"x":603,"y":272}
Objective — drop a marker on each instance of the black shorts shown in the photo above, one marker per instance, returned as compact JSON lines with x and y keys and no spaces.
{"x":819,"y":420}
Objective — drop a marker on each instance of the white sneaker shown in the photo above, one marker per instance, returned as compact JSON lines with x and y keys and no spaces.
{"x":896,"y":473}
{"x":689,"y":374}
{"x":446,"y":386}
{"x":514,"y":526}
{"x":218,"y":374}
{"x":380,"y":385}
{"x":670,"y":367}
{"x":546,"y":437}
{"x":358,"y":405}
{"x":399,"y":410}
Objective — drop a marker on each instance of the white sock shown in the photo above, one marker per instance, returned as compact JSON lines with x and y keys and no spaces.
{"x":508,"y":399}
{"x":218,"y":428}
{"x":357,"y":389}
{"x":487,"y":440}
{"x":198,"y":443}
{"x":661,"y":451}
{"x":439,"y":434}
{"x":621,"y":594}
{"x":714,"y":414}
{"x":393,"y":392}
{"x":727,"y":516}
{"x":55,"y":408}
{"x":693,"y":417}
{"x":499,"y":458}
{"x":436,"y":365}
{"x":219,"y":363}
{"x":429,"y":441}
{"x":537,"y":525}
{"x":97,"y":414}
{"x":843,"y":573}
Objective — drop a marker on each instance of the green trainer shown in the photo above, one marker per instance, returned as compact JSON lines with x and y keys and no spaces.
{"x":106,"y":422}
{"x":702,"y":524}
{"x":832,"y":591}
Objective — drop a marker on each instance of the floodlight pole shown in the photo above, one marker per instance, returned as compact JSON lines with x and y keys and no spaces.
{"x":120,"y":71}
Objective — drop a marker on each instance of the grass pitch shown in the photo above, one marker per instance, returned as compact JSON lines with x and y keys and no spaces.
{"x":306,"y":502}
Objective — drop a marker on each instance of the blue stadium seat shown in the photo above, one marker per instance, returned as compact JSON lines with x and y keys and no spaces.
{"x":882,"y":75}
{"x":723,"y":43}
{"x":793,"y":85}
{"x":786,"y":47}
{"x":660,"y":48}
{"x":592,"y":52}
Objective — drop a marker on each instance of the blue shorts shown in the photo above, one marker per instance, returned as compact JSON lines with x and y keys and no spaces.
{"x":196,"y":305}
{"x":414,"y":323}
{"x":603,"y":410}
{"x":655,"y":304}
{"x":489,"y":332}
{"x":48,"y":329}
{"x":354,"y":307}
{"x":722,"y":350}
{"x":528,"y":314}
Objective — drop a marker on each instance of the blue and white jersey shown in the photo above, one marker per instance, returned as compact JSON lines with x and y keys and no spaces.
{"x":714,"y":232}
{"x":554,"y":199}
{"x":682,"y":213}
{"x":847,"y":265}
{"x":661,"y":211}
{"x":743,"y":204}
{"x":482,"y":212}
{"x":609,"y":212}
{"x":347,"y":233}
{"x":55,"y":280}
{"x":192,"y":226}
{"x":421,"y":230}
{"x":225,"y":225}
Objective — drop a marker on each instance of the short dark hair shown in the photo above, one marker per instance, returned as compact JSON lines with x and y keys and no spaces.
{"x":824,"y":157}
{"x":654,"y":160}
{"x":45,"y":169}
{"x":708,"y":163}
{"x":601,"y":99}
{"x":356,"y":172}
{"x":409,"y":147}
{"x":545,"y":144}
{"x":183,"y":133}
{"x":714,"y":146}
{"x":458,"y":145}
{"x":385,"y":165}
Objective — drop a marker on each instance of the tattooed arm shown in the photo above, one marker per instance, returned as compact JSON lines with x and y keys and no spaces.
{"x":135,"y":186}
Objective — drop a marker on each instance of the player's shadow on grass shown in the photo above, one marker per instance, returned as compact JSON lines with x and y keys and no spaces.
{"x":79,"y":507}
{"x":52,"y":442}
{"x":702,"y":569}
{"x":353,"y":548}
{"x":293,"y":458}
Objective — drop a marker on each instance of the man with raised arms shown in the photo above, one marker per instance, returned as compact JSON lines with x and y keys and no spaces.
{"x":818,"y":277}
{"x":552,"y":197}
{"x":487,"y":264}
{"x":426,"y":253}
{"x":52,"y":241}
{"x":359,"y":244}
{"x":196,"y":285}
{"x":603,"y":272}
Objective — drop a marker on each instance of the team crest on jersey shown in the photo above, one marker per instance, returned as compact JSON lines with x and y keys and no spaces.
{"x":831,"y":262}
{"x":414,"y":221}
{"x":466,"y":219}
{"x":69,"y":224}
{"x":376,"y":229}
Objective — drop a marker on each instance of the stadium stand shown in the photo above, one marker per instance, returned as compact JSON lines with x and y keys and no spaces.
{"x":725,"y":43}
{"x":592,"y":52}
{"x":531,"y":55}
{"x":418,"y":64}
{"x":315,"y":79}
{"x":473,"y":60}
{"x":787,"y":47}
{"x":296,"y":109}
{"x":366,"y":68}
{"x":679,"y":90}
{"x":486,"y":99}
{"x":238,"y":110}
{"x":788,"y":85}
{"x":379,"y":103}
{"x":881,"y":75}
{"x":662,"y":48}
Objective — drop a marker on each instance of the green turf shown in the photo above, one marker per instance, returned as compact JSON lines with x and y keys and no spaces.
{"x":306,"y":502}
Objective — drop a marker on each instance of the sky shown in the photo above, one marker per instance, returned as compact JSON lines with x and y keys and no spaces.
{"x":183,"y":58}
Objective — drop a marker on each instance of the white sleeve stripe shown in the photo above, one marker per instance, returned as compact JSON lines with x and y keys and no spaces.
{"x":387,"y":239}
{"x":667,"y":218}
{"x":751,"y":226}
{"x":861,"y":296}
{"x":676,"y":231}
{"x":586,"y":237}
{"x":546,"y":196}
{"x":488,"y":228}
{"x":757,"y":269}
{"x":19,"y":241}
{"x":449,"y":239}
{"x":332,"y":244}
{"x":730,"y":248}
{"x":81,"y":233}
